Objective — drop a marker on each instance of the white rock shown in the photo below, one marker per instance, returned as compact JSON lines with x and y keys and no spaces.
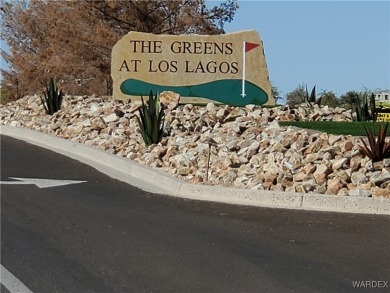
{"x":337,"y":164}
{"x":169,"y":99}
{"x":110,"y":118}
{"x":380,"y":178}
{"x":358,"y":178}
{"x":87,"y":122}
{"x":360,"y":193}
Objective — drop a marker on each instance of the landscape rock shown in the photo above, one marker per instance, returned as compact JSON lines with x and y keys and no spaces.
{"x":360,"y":193}
{"x":386,"y":162}
{"x":380,"y":178}
{"x":358,"y":178}
{"x":169,"y":99}
{"x":334,"y":186}
{"x":110,"y":118}
{"x":248,"y":147}
{"x":380,"y":192}
{"x":337,"y":164}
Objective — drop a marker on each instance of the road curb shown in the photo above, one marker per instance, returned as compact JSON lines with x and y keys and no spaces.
{"x":156,"y":181}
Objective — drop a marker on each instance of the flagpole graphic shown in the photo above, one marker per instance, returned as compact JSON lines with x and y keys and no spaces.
{"x":243,"y":70}
{"x":246,"y":46}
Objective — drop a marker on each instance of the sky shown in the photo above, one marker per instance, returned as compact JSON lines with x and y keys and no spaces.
{"x":336,"y":45}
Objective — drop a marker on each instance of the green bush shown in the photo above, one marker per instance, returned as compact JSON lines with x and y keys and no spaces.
{"x":296,"y":97}
{"x":365,"y":107}
{"x":5,"y":95}
{"x":329,"y":98}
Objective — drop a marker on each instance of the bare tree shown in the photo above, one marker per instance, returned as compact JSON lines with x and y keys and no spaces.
{"x":72,"y":40}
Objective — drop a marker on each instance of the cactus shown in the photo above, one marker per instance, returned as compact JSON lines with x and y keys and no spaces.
{"x":151,"y":121}
{"x":53,"y":98}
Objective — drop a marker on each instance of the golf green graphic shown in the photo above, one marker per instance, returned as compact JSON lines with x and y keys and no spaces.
{"x":224,"y":91}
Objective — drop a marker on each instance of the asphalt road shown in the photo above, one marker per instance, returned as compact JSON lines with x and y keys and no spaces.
{"x":106,"y":236}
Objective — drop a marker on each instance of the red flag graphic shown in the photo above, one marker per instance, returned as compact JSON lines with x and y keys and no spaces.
{"x":249,"y":46}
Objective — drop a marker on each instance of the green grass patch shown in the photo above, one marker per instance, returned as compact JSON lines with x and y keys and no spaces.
{"x":347,"y":128}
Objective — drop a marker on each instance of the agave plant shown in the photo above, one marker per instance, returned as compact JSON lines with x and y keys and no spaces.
{"x":376,"y":149}
{"x":310,"y":100}
{"x":151,"y":121}
{"x":53,"y":98}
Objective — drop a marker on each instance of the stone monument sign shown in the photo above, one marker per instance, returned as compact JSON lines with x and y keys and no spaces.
{"x":228,"y":68}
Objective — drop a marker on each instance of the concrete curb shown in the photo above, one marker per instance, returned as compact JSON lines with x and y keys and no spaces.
{"x":159,"y":182}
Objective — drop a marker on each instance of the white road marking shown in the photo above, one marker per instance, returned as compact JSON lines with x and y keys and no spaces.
{"x":13,"y":284}
{"x":41,"y":183}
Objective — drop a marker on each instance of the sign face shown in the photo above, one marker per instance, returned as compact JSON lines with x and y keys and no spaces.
{"x":227,"y":68}
{"x":383,"y":117}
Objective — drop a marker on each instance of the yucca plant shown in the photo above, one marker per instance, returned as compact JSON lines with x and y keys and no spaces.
{"x":310,"y":100}
{"x":53,"y":98}
{"x":376,"y":149}
{"x":151,"y":121}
